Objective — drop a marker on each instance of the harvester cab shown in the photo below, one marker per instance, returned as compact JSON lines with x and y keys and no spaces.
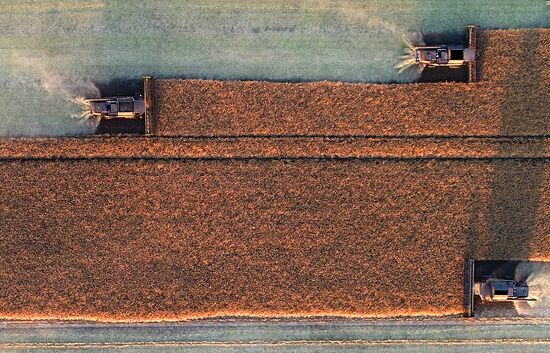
{"x":117,"y":107}
{"x":495,"y":283}
{"x":500,"y":290}
{"x":452,"y":56}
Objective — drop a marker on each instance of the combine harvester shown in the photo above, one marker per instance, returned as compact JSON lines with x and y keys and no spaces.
{"x":130,"y":109}
{"x":451,"y":56}
{"x":493,"y":282}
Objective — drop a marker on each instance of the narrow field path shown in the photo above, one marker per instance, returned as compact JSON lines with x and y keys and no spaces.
{"x":276,"y":147}
{"x":446,"y":335}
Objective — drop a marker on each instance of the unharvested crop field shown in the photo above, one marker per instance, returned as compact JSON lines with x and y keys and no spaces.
{"x":511,"y":100}
{"x":516,"y":56}
{"x":137,"y":239}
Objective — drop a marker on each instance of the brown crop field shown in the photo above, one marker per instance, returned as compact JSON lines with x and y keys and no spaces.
{"x":150,"y":240}
{"x":511,"y":100}
{"x":517,"y":54}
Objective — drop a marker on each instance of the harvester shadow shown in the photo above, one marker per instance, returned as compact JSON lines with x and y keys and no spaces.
{"x":120,"y":87}
{"x":515,"y":191}
{"x":121,"y":127}
{"x":448,"y":37}
{"x":444,"y":74}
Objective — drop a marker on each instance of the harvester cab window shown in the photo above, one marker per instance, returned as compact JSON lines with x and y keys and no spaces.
{"x":126,"y":106}
{"x":443,"y":56}
{"x":113,"y":108}
{"x":457,"y":54}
